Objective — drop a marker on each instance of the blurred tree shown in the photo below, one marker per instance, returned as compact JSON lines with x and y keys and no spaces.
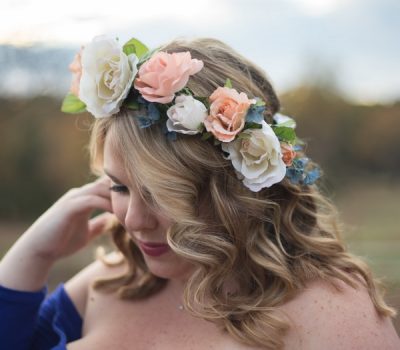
{"x":42,"y":154}
{"x":43,"y":151}
{"x":347,"y":139}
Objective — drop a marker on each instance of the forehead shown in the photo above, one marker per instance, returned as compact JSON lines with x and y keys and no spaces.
{"x":113,"y":163}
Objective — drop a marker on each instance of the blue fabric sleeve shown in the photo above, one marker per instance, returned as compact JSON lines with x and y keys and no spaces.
{"x":29,"y":321}
{"x":18,"y":312}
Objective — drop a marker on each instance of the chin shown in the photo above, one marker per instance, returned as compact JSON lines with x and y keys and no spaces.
{"x":169,"y":266}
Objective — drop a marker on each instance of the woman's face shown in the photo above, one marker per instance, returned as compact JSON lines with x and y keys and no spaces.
{"x":145,"y":225}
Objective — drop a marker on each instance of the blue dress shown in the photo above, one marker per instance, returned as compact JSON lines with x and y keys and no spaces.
{"x":29,"y":320}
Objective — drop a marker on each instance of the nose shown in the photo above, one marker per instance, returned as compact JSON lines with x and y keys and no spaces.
{"x":139,"y":216}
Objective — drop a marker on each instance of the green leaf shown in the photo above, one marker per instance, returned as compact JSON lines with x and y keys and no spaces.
{"x":243,"y":136}
{"x":206,"y":136}
{"x":228,"y":83}
{"x":135,"y":46}
{"x":147,"y":55}
{"x":259,"y":102}
{"x":186,"y":91}
{"x":251,"y":125}
{"x":131,"y":104}
{"x":72,"y":104}
{"x":285,"y":133}
{"x":217,"y":142}
{"x":201,"y":128}
{"x":289,"y":123}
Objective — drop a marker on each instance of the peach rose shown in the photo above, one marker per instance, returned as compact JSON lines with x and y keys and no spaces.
{"x":287,"y":153}
{"x":164,"y":74}
{"x":76,"y":69}
{"x":227,"y":113}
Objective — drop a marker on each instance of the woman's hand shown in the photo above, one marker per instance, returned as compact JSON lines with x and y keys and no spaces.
{"x":61,"y":231}
{"x":65,"y":227}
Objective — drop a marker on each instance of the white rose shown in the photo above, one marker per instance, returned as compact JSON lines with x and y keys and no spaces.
{"x":186,"y":115}
{"x":257,"y":158}
{"x":107,"y":76}
{"x":284,"y":119}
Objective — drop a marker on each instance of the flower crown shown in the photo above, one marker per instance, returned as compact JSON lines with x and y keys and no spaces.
{"x":107,"y":77}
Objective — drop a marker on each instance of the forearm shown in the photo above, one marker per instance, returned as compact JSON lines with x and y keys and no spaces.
{"x":21,"y":269}
{"x":61,"y":231}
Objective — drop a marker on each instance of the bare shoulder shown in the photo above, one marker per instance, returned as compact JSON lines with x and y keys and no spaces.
{"x":323,"y":318}
{"x":78,"y":286}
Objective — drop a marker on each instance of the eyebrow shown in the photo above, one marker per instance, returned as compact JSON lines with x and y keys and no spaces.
{"x":112,"y":177}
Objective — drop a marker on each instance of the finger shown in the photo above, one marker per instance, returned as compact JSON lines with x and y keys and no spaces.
{"x":100,"y":223}
{"x":91,"y":202}
{"x":100,"y":187}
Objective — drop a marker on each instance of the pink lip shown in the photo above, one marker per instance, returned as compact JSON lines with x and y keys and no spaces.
{"x":153,"y":249}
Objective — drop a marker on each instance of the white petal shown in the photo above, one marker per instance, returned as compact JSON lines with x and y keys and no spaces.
{"x":178,"y":128}
{"x":104,"y":59}
{"x":261,"y":162}
{"x":188,"y":113}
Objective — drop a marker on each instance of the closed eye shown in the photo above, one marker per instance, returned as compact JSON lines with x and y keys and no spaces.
{"x":119,"y":189}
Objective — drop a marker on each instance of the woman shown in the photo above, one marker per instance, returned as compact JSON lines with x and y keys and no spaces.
{"x":222,"y":239}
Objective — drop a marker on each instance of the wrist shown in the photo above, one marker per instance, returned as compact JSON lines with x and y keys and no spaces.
{"x":21,"y":269}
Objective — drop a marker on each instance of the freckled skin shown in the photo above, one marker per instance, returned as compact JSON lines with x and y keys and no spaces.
{"x":323,"y":318}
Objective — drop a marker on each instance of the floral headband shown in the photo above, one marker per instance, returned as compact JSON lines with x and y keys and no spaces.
{"x":107,"y":77}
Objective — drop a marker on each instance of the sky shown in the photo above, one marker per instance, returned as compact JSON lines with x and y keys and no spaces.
{"x":355,"y":42}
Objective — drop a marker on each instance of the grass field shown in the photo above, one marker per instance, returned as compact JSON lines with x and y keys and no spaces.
{"x":371,"y":214}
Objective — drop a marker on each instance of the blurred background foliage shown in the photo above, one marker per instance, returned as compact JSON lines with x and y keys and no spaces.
{"x":43,"y":153}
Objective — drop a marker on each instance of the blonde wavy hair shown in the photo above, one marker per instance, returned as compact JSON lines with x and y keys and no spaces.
{"x":271,"y":243}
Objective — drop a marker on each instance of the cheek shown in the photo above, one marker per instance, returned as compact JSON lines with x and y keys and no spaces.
{"x":119,"y":206}
{"x":164,"y":222}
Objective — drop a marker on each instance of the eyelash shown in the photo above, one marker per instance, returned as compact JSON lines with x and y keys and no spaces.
{"x":124,"y":190}
{"x":119,"y":189}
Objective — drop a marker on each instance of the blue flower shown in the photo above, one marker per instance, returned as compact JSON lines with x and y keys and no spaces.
{"x":297,"y":148}
{"x":144,"y":122}
{"x":255,"y":114}
{"x":312,"y":176}
{"x":154,"y":113}
{"x":300,"y":163}
{"x":294,"y":175}
{"x":298,"y":174}
{"x":171,"y":135}
{"x":152,"y":116}
{"x":142,"y":101}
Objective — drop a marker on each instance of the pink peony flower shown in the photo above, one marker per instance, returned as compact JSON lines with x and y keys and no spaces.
{"x":287,"y":153}
{"x":227,"y":113}
{"x":164,"y":74}
{"x":76,"y":69}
